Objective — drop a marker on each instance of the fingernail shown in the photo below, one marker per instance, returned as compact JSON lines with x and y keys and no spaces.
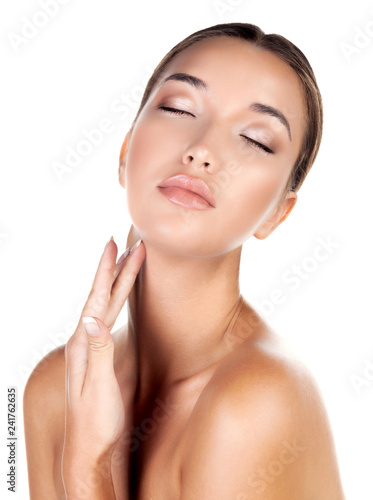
{"x":135,"y":245}
{"x":123,"y":256}
{"x":91,"y":326}
{"x":111,"y":239}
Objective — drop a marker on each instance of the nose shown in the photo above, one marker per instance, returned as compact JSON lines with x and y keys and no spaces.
{"x":200,"y":154}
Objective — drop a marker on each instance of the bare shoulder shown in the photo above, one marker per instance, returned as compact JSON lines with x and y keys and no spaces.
{"x":261,"y":422}
{"x":44,"y":422}
{"x":43,"y":410}
{"x":46,"y":384}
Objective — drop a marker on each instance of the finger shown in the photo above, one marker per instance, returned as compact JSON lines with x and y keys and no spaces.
{"x":99,"y":296}
{"x":124,"y":283}
{"x":122,"y":259}
{"x":76,"y":349}
{"x":76,"y":361}
{"x":100,"y":368}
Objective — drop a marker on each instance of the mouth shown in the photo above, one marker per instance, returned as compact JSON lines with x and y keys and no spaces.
{"x":188,"y":191}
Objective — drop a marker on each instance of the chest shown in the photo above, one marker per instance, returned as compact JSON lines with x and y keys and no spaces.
{"x":146,"y":463}
{"x":156,"y":452}
{"x":159,"y":437}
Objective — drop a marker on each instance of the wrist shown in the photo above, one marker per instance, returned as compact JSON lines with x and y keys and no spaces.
{"x":83,"y":453}
{"x":88,"y":478}
{"x":80,"y":463}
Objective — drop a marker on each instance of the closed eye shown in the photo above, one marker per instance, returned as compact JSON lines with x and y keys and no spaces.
{"x":257,"y":145}
{"x":175,"y":111}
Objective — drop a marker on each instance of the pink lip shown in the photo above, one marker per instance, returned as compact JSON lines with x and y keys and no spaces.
{"x":193,"y":184}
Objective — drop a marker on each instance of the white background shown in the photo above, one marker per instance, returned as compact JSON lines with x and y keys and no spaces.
{"x":69,"y":77}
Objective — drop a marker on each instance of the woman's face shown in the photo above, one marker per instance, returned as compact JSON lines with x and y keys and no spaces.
{"x":238,"y":127}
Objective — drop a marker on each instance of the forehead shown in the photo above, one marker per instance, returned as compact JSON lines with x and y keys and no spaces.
{"x":237,"y":74}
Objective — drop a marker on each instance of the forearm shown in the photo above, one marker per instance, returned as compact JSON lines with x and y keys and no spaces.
{"x":86,"y":480}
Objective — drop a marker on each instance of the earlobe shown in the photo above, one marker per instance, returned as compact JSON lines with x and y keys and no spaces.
{"x":281,"y":213}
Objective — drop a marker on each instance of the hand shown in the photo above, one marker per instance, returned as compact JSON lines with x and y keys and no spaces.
{"x":94,"y":411}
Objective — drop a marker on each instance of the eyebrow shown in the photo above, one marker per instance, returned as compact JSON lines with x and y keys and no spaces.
{"x":257,"y":107}
{"x":184,"y":77}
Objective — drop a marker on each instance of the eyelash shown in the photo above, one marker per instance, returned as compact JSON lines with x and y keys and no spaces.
{"x":174,"y":110}
{"x":257,"y":145}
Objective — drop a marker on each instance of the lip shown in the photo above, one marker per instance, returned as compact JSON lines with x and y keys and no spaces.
{"x":192,"y":184}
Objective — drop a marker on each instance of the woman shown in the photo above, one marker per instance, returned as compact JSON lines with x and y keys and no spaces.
{"x":196,"y":397}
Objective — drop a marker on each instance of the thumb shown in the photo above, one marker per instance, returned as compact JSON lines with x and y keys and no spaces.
{"x":100,"y":350}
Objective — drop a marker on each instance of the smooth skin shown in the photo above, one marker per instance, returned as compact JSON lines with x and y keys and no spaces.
{"x":195,"y":397}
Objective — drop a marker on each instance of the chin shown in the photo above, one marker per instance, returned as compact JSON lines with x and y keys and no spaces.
{"x":178,"y":240}
{"x":180,"y":231}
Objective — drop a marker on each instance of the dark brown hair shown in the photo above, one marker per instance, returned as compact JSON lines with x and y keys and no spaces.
{"x":290,"y":54}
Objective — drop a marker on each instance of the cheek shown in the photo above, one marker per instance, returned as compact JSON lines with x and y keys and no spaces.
{"x":137,"y":171}
{"x":155,"y":150}
{"x":142,"y":165}
{"x":246,"y":201}
{"x":143,"y":147}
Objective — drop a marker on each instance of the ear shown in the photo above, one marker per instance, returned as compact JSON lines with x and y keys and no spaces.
{"x":122,"y":159}
{"x":282,"y":211}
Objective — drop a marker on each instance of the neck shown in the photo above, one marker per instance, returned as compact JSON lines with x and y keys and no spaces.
{"x":179,"y":310}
